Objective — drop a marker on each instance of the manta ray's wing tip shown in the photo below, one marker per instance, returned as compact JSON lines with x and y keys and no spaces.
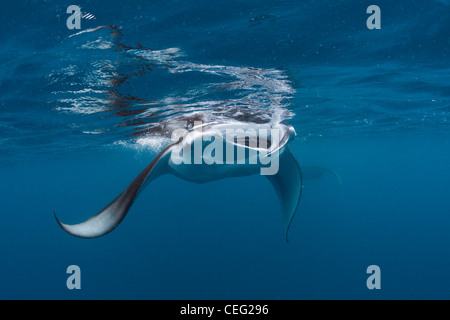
{"x":61,"y":224}
{"x":81,"y":230}
{"x":287,"y":232}
{"x":65,"y":227}
{"x":58,"y":221}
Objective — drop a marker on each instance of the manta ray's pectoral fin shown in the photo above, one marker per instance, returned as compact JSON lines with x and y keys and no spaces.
{"x":288,"y":184}
{"x":110,"y":217}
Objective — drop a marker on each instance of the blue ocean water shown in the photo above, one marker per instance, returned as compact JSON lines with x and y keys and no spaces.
{"x":82,"y":112}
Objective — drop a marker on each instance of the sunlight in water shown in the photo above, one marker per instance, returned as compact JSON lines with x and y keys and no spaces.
{"x":223,"y":93}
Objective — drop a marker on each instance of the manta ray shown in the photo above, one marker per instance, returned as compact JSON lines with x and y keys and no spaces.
{"x":211,"y":152}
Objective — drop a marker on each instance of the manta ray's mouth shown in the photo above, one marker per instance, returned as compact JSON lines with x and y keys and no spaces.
{"x":249,"y":142}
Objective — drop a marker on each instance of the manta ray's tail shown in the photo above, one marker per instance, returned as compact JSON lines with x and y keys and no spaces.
{"x":110,"y":217}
